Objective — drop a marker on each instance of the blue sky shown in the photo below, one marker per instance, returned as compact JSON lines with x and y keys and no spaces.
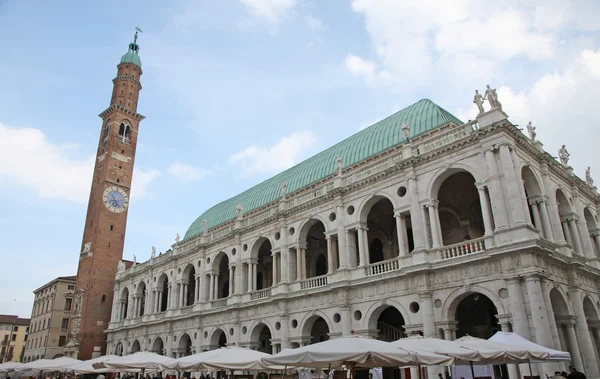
{"x":236,"y":91}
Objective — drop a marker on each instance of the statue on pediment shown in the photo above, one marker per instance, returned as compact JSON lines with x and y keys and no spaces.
{"x":531,"y":131}
{"x":121,"y":267}
{"x":478,"y":100}
{"x":283,"y":189}
{"x":239,"y":211}
{"x":563,"y":155}
{"x":153,"y":251}
{"x":588,"y":177}
{"x":205,"y":226}
{"x":492,"y":97}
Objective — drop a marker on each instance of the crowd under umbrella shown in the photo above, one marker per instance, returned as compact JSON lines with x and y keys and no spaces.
{"x":225,"y":358}
{"x":10,"y":366}
{"x":86,"y":367}
{"x":56,"y":364}
{"x":142,"y":360}
{"x":354,"y":351}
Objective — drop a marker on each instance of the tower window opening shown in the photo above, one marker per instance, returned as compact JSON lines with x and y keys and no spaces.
{"x":111,"y":228}
{"x":118,"y":180}
{"x":125,"y":133}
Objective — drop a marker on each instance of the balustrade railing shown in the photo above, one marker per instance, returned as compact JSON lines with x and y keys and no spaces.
{"x":319,"y":281}
{"x":218,"y":303}
{"x":382,"y":267}
{"x":462,"y":249}
{"x":261,"y":294}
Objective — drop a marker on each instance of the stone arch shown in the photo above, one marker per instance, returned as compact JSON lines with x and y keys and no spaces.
{"x":124,"y":301}
{"x":261,"y":251}
{"x":119,"y":349}
{"x":189,"y":283}
{"x":476,"y":315}
{"x":218,"y":338}
{"x":221,"y":265}
{"x":592,"y":230}
{"x":261,"y":336}
{"x":184,"y":345}
{"x":158,"y":346}
{"x":257,"y":243}
{"x":563,"y":203}
{"x":559,"y":304}
{"x":376,"y":212}
{"x":308,"y":320}
{"x":136,"y":346}
{"x":451,"y":303}
{"x":218,"y":258}
{"x":162,"y":286}
{"x":125,"y":130}
{"x":440,"y":176}
{"x":459,"y":217}
{"x":141,"y":292}
{"x":312,"y":235}
{"x":589,"y":309}
{"x":531,"y":182}
{"x":388,"y":320}
{"x":368,"y":202}
{"x":375,"y":310}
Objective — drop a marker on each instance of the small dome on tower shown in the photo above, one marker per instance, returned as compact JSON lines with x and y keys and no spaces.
{"x":132,"y":55}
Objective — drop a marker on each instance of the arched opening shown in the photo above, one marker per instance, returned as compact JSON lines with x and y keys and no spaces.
{"x":158,"y":346}
{"x":318,"y":329}
{"x":218,"y":339}
{"x":564,"y":211}
{"x":141,"y":293}
{"x":533,"y":193}
{"x":135,"y":347}
{"x":459,"y":209}
{"x":119,"y":349}
{"x":264,"y":267}
{"x":313,"y":237}
{"x":106,"y":130}
{"x":163,"y":293}
{"x":563,"y":320}
{"x":381,"y":234}
{"x":185,"y":345}
{"x":124,"y":303}
{"x":476,"y":316}
{"x":390,"y":325}
{"x":125,"y":132}
{"x":592,"y":231}
{"x":261,"y":336}
{"x":591,"y":315}
{"x":222,"y":284}
{"x":189,"y":274}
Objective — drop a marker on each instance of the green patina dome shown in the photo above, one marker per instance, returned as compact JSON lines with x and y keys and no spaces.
{"x":132,"y":55}
{"x":422,"y":117}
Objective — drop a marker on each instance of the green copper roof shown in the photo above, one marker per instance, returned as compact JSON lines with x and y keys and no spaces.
{"x":422,"y":117}
{"x":132,"y":55}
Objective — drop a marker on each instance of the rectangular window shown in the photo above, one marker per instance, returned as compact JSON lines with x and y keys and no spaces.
{"x":68,"y":304}
{"x":14,"y":337}
{"x":71,"y":287}
{"x":65,"y":323}
{"x":62,"y":340}
{"x":16,"y":328}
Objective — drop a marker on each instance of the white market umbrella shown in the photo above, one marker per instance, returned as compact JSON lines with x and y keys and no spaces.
{"x":57,"y":364}
{"x":515,"y":339}
{"x":142,"y":360}
{"x":450,"y":348}
{"x":354,"y":351}
{"x":225,"y":358}
{"x":512,"y":353}
{"x":86,"y":367}
{"x":10,"y":366}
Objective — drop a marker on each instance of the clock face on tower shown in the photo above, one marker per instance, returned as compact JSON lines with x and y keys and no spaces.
{"x":115,"y":199}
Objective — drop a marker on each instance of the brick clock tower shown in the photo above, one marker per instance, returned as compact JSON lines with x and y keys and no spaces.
{"x":104,"y":231}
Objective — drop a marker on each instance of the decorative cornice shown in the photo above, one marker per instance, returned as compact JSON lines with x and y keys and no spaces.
{"x":122,"y":109}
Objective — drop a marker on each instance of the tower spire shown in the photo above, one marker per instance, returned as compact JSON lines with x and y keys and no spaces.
{"x":132,"y":55}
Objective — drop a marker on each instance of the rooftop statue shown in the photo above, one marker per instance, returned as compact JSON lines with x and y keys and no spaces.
{"x":121,"y":266}
{"x":177,"y":238}
{"x":531,"y":131}
{"x":205,"y":226}
{"x":153,"y":251}
{"x":588,"y":177}
{"x":563,"y":155}
{"x":492,"y":97}
{"x":239,"y":211}
{"x":339,"y":165}
{"x":405,"y":131}
{"x":283,"y":189}
{"x":478,"y":100}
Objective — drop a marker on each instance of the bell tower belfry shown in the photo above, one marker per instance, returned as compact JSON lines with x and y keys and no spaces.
{"x":106,"y":221}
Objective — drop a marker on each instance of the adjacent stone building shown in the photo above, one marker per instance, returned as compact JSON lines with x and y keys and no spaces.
{"x":13,"y":337}
{"x":420,"y":223}
{"x":50,"y":319}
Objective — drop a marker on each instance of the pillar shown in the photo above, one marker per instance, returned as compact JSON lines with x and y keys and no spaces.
{"x":346,"y":321}
{"x":574,"y":346}
{"x":546,"y":221}
{"x":352,"y":248}
{"x":415,"y":213}
{"x":513,"y":371}
{"x":343,"y":251}
{"x":181,"y":295}
{"x":298,"y":263}
{"x":401,"y":231}
{"x":211,"y":291}
{"x":426,"y":228}
{"x":485,"y":210}
{"x":434,"y":220}
{"x":512,"y":184}
{"x":575,"y":236}
{"x":496,"y":192}
{"x":197,"y":289}
{"x":160,"y":300}
{"x":536,"y":217}
{"x":362,"y":254}
{"x":425,"y":298}
{"x":583,"y":332}
{"x":596,"y":238}
{"x":329,"y":254}
{"x":216,"y":286}
{"x":254,"y":272}
{"x":185,"y":293}
{"x":285,"y":260}
{"x":285,"y":335}
{"x":231,"y":278}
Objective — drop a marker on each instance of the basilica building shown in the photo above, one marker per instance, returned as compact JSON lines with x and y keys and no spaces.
{"x":420,"y":223}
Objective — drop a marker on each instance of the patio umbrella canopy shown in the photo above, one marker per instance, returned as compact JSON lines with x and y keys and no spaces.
{"x":225,"y":358}
{"x":86,"y":367}
{"x":142,"y":360}
{"x":354,"y":351}
{"x":515,"y":339}
{"x":10,"y":366}
{"x":512,"y":353}
{"x":57,"y":364}
{"x":462,"y":355}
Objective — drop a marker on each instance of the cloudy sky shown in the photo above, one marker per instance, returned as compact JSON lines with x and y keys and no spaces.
{"x":235,"y":91}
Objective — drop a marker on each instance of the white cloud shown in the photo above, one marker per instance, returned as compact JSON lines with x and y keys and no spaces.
{"x":27,"y":157}
{"x":267,"y":160}
{"x":314,"y":23}
{"x":272,"y":10}
{"x":186,"y":173}
{"x":358,"y":66}
{"x":562,"y":107}
{"x":140,"y":183}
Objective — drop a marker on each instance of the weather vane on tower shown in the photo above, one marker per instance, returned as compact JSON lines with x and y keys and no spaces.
{"x":135,"y":36}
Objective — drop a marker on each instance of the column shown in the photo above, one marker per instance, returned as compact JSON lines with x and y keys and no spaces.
{"x":253,"y":264}
{"x":303,"y":261}
{"x":539,"y":313}
{"x":211,"y":290}
{"x":181,"y":295}
{"x":343,"y":251}
{"x":136,"y":301}
{"x":513,"y":372}
{"x":496,"y":193}
{"x":298,"y":263}
{"x":434,"y":222}
{"x":536,"y":217}
{"x":546,"y":221}
{"x":155,"y":301}
{"x":160,"y":301}
{"x":329,"y":254}
{"x":485,"y":210}
{"x":552,"y":207}
{"x":596,"y":237}
{"x":275,"y":268}
{"x":231,"y":278}
{"x":170,"y":297}
{"x":197,"y":288}
{"x":583,"y":332}
{"x":346,"y":321}
{"x":426,"y":228}
{"x":361,"y":245}
{"x":567,"y":232}
{"x":352,"y":248}
{"x":284,"y":275}
{"x":425,"y":298}
{"x":185,"y":294}
{"x":415,"y":213}
{"x":574,"y":346}
{"x":575,"y":236}
{"x":401,"y":231}
{"x":285,"y":335}
{"x":216,"y":286}
{"x":249,"y":277}
{"x":512,"y":182}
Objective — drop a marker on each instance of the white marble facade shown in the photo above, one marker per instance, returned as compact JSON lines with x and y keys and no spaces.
{"x":484,"y":214}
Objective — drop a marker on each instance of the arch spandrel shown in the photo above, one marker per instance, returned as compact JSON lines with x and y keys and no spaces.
{"x":364,"y":207}
{"x":306,"y":225}
{"x":306,"y":323}
{"x":374,"y":311}
{"x":440,"y":175}
{"x":256,"y":244}
{"x":452,"y":301}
